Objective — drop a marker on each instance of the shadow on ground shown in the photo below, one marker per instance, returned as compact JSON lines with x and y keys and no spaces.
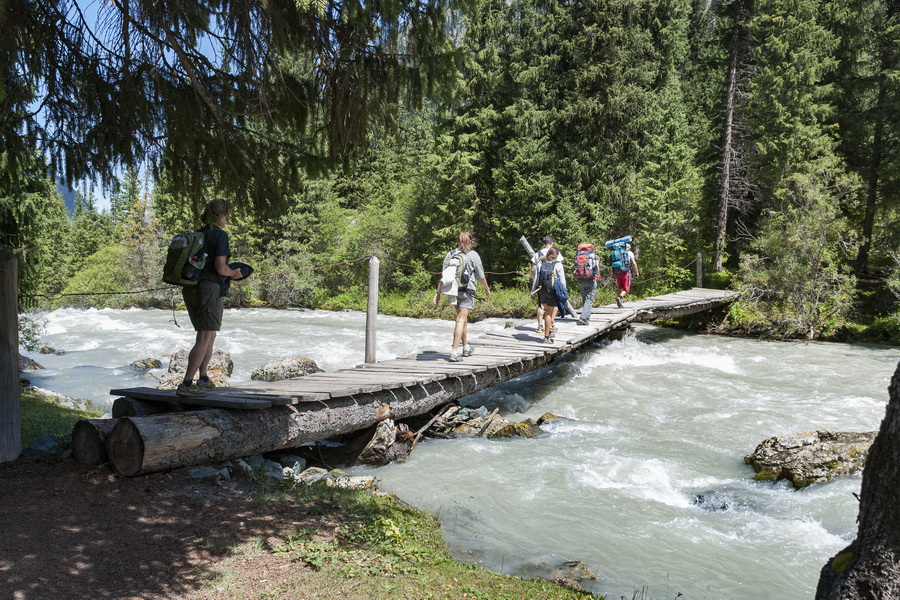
{"x":68,"y":531}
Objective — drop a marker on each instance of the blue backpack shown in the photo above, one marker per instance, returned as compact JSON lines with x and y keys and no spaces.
{"x":618,"y":255}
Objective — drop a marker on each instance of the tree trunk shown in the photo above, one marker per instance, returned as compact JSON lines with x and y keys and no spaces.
{"x":862,"y":259}
{"x":89,"y":440}
{"x":132,"y":407}
{"x":140,"y":445}
{"x":10,"y":421}
{"x":728,"y":150}
{"x":870,"y":567}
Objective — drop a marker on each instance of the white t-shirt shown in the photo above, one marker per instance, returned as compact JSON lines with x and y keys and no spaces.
{"x":540,"y":254}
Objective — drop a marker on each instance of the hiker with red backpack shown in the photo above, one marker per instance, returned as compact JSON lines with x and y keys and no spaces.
{"x":586,"y":275}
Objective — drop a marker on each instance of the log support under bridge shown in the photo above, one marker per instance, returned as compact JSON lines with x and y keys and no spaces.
{"x":253,"y":419}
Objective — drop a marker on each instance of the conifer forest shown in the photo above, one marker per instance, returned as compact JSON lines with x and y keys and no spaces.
{"x":763,"y":135}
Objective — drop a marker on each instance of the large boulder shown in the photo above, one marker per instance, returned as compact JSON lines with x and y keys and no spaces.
{"x":27,"y":364}
{"x":146,"y":364}
{"x":220,"y":361}
{"x":811,"y":457}
{"x":220,"y":368}
{"x":286,"y":368}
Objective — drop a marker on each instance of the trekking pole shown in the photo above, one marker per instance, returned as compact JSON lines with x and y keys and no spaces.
{"x":527,"y":247}
{"x":372,"y":309}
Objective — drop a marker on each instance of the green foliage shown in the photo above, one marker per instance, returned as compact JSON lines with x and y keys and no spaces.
{"x":103,"y":273}
{"x":44,"y":415}
{"x":31,"y":328}
{"x":33,"y":226}
{"x":797,"y":271}
{"x":90,"y":231}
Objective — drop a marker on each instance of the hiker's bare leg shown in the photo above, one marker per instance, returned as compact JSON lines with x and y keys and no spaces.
{"x":540,"y":313}
{"x":200,"y":354}
{"x":459,"y":330}
{"x":549,"y":313}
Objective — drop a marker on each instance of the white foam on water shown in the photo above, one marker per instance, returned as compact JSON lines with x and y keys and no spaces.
{"x":632,"y":354}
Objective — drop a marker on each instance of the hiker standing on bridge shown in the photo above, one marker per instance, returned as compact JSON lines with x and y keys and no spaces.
{"x":204,"y":300}
{"x":586,"y":275}
{"x":463,"y":272}
{"x":549,"y":242}
{"x":623,"y":275}
{"x":549,"y":282}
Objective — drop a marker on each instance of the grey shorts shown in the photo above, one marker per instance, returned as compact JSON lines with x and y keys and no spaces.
{"x":204,"y":305}
{"x":463,"y":301}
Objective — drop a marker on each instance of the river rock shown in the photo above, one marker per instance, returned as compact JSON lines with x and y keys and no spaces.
{"x":220,"y":361}
{"x":62,"y":399}
{"x":47,"y":444}
{"x":571,"y":574}
{"x":170,"y":381}
{"x":473,"y":422}
{"x":286,"y":368}
{"x":47,"y":350}
{"x":220,"y":368}
{"x":27,"y":364}
{"x":811,"y":457}
{"x":146,"y":364}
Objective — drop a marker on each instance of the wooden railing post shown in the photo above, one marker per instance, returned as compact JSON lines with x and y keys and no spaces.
{"x":372,"y":309}
{"x":699,"y":269}
{"x":10,"y":421}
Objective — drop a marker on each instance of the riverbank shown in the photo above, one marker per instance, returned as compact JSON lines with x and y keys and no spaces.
{"x":875,"y":318}
{"x":169,"y":536}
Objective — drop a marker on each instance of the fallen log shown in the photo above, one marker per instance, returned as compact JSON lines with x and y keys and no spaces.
{"x":141,"y":445}
{"x":132,"y":407}
{"x":88,"y":440}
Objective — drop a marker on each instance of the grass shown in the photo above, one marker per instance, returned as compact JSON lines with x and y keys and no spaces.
{"x":376,"y":547}
{"x":44,"y":415}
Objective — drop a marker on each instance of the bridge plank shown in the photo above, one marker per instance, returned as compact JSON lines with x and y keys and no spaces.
{"x":219,"y":401}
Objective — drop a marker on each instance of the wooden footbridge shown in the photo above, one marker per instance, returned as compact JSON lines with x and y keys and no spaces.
{"x":283,"y":414}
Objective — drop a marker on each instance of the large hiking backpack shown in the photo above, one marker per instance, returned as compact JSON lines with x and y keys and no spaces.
{"x":456,"y":273}
{"x":586,"y":264}
{"x":185,"y":258}
{"x":618,"y":255}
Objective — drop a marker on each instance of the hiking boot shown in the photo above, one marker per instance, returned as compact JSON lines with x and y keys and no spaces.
{"x":191,"y":390}
{"x":583,"y":322}
{"x":546,"y":340}
{"x":619,"y":302}
{"x":455,"y":356}
{"x":540,"y":328}
{"x":467,"y":351}
{"x":206,"y":384}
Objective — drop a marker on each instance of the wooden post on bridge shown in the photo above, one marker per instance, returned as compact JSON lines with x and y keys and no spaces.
{"x":372,"y":309}
{"x":700,"y":269}
{"x":10,"y":420}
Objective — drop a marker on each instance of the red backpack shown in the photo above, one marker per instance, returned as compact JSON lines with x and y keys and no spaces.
{"x":586,"y":264}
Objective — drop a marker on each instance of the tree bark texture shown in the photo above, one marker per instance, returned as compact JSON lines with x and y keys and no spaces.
{"x":870,"y":567}
{"x":10,"y":421}
{"x":132,"y":407}
{"x":728,"y":156}
{"x":874,"y":177}
{"x":141,"y":445}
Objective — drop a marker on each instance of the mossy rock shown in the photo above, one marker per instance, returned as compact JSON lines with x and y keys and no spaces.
{"x":841,"y":563}
{"x":509,"y":430}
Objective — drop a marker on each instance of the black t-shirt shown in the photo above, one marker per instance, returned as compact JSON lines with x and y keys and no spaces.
{"x":216,"y":244}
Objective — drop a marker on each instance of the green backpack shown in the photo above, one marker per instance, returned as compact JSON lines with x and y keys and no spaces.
{"x":185,"y":258}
